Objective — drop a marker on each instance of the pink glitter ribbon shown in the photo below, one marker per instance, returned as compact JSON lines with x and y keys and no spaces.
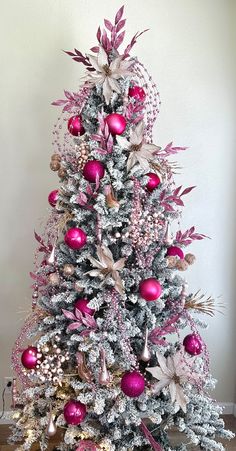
{"x":150,"y":437}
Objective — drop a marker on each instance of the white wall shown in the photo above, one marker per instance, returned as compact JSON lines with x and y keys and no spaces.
{"x":189,"y":51}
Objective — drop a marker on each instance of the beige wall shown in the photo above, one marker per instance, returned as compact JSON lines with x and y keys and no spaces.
{"x":189,"y":51}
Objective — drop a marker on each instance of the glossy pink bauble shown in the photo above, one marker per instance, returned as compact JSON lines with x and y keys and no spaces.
{"x":175,"y":251}
{"x":132,"y":384}
{"x":74,"y":412}
{"x":153,"y":181}
{"x":137,"y":93}
{"x":75,"y":126}
{"x":192,"y":344}
{"x":82,"y":306}
{"x":75,"y":238}
{"x":93,"y":170}
{"x":53,"y":197}
{"x":29,"y":358}
{"x":116,"y":123}
{"x":150,"y":289}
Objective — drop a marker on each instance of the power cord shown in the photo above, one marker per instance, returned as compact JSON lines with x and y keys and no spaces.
{"x":9,"y":384}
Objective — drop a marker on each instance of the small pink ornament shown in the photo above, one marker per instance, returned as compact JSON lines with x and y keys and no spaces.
{"x":192,"y":344}
{"x":150,"y":289}
{"x":82,"y":306}
{"x":53,"y":197}
{"x":175,"y":251}
{"x":75,"y":126}
{"x":104,"y":376}
{"x":87,"y":445}
{"x":138,"y":93}
{"x":75,"y":238}
{"x":132,"y":384}
{"x":29,"y":358}
{"x":74,"y":412}
{"x":153,"y":181}
{"x":116,"y":123}
{"x":93,"y":170}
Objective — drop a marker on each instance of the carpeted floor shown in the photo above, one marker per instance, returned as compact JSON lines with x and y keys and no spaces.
{"x":230,"y":422}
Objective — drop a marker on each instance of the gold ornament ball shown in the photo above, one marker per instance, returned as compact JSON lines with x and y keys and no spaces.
{"x":172,"y":260}
{"x":55,"y":165}
{"x":56,"y":156}
{"x":190,"y":259}
{"x":181,"y":265}
{"x":62,"y":173}
{"x":54,"y":279}
{"x":68,"y":269}
{"x":78,"y":287}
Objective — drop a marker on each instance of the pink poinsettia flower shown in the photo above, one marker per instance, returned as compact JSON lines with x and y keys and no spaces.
{"x":106,"y":74}
{"x":172,"y":373}
{"x":79,"y":319}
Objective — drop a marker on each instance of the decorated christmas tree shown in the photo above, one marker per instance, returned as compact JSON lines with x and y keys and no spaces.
{"x":111,"y":355}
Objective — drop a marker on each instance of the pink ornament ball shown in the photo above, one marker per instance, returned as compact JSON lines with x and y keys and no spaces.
{"x":153,"y":181}
{"x":116,"y":123}
{"x":150,"y":289}
{"x":75,"y":126}
{"x":175,"y":251}
{"x":29,"y":358}
{"x":75,"y":238}
{"x":192,"y":344}
{"x":138,"y":93}
{"x":53,"y":197}
{"x":93,"y":170}
{"x":82,"y":306}
{"x":74,"y":412}
{"x":132,"y":384}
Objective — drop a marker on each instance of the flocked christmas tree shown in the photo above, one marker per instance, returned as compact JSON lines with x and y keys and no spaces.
{"x":106,"y":364}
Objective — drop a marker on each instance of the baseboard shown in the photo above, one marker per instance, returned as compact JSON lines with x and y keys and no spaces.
{"x":229,"y":409}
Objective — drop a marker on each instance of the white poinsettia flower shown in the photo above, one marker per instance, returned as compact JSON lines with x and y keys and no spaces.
{"x":172,"y":373}
{"x":107,"y":74}
{"x":139,"y":151}
{"x":105,"y":267}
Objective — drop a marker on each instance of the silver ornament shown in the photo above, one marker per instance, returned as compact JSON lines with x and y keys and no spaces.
{"x":145,"y":355}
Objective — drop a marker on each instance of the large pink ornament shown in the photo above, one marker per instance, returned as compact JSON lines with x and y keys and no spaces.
{"x":82,"y":306}
{"x":93,"y":170}
{"x":175,"y":251}
{"x":138,"y":93}
{"x":150,"y":289}
{"x":74,"y":412}
{"x":75,"y":238}
{"x":29,"y":358}
{"x":53,"y":197}
{"x":132,"y":384}
{"x":75,"y":126}
{"x":192,"y":344}
{"x":116,"y":123}
{"x":153,"y":181}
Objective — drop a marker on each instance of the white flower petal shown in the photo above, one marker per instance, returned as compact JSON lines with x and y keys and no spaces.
{"x":160,"y":385}
{"x":115,"y":64}
{"x":181,"y":398}
{"x":123,"y":142}
{"x":102,"y":58}
{"x":156,"y":372}
{"x":163,"y":364}
{"x":172,"y":388}
{"x":94,"y":61}
{"x":107,"y":91}
{"x":131,"y":161}
{"x":137,"y":134}
{"x":119,"y":264}
{"x":113,"y":84}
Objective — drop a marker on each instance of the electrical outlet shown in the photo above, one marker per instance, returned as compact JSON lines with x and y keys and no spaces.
{"x":6,"y":382}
